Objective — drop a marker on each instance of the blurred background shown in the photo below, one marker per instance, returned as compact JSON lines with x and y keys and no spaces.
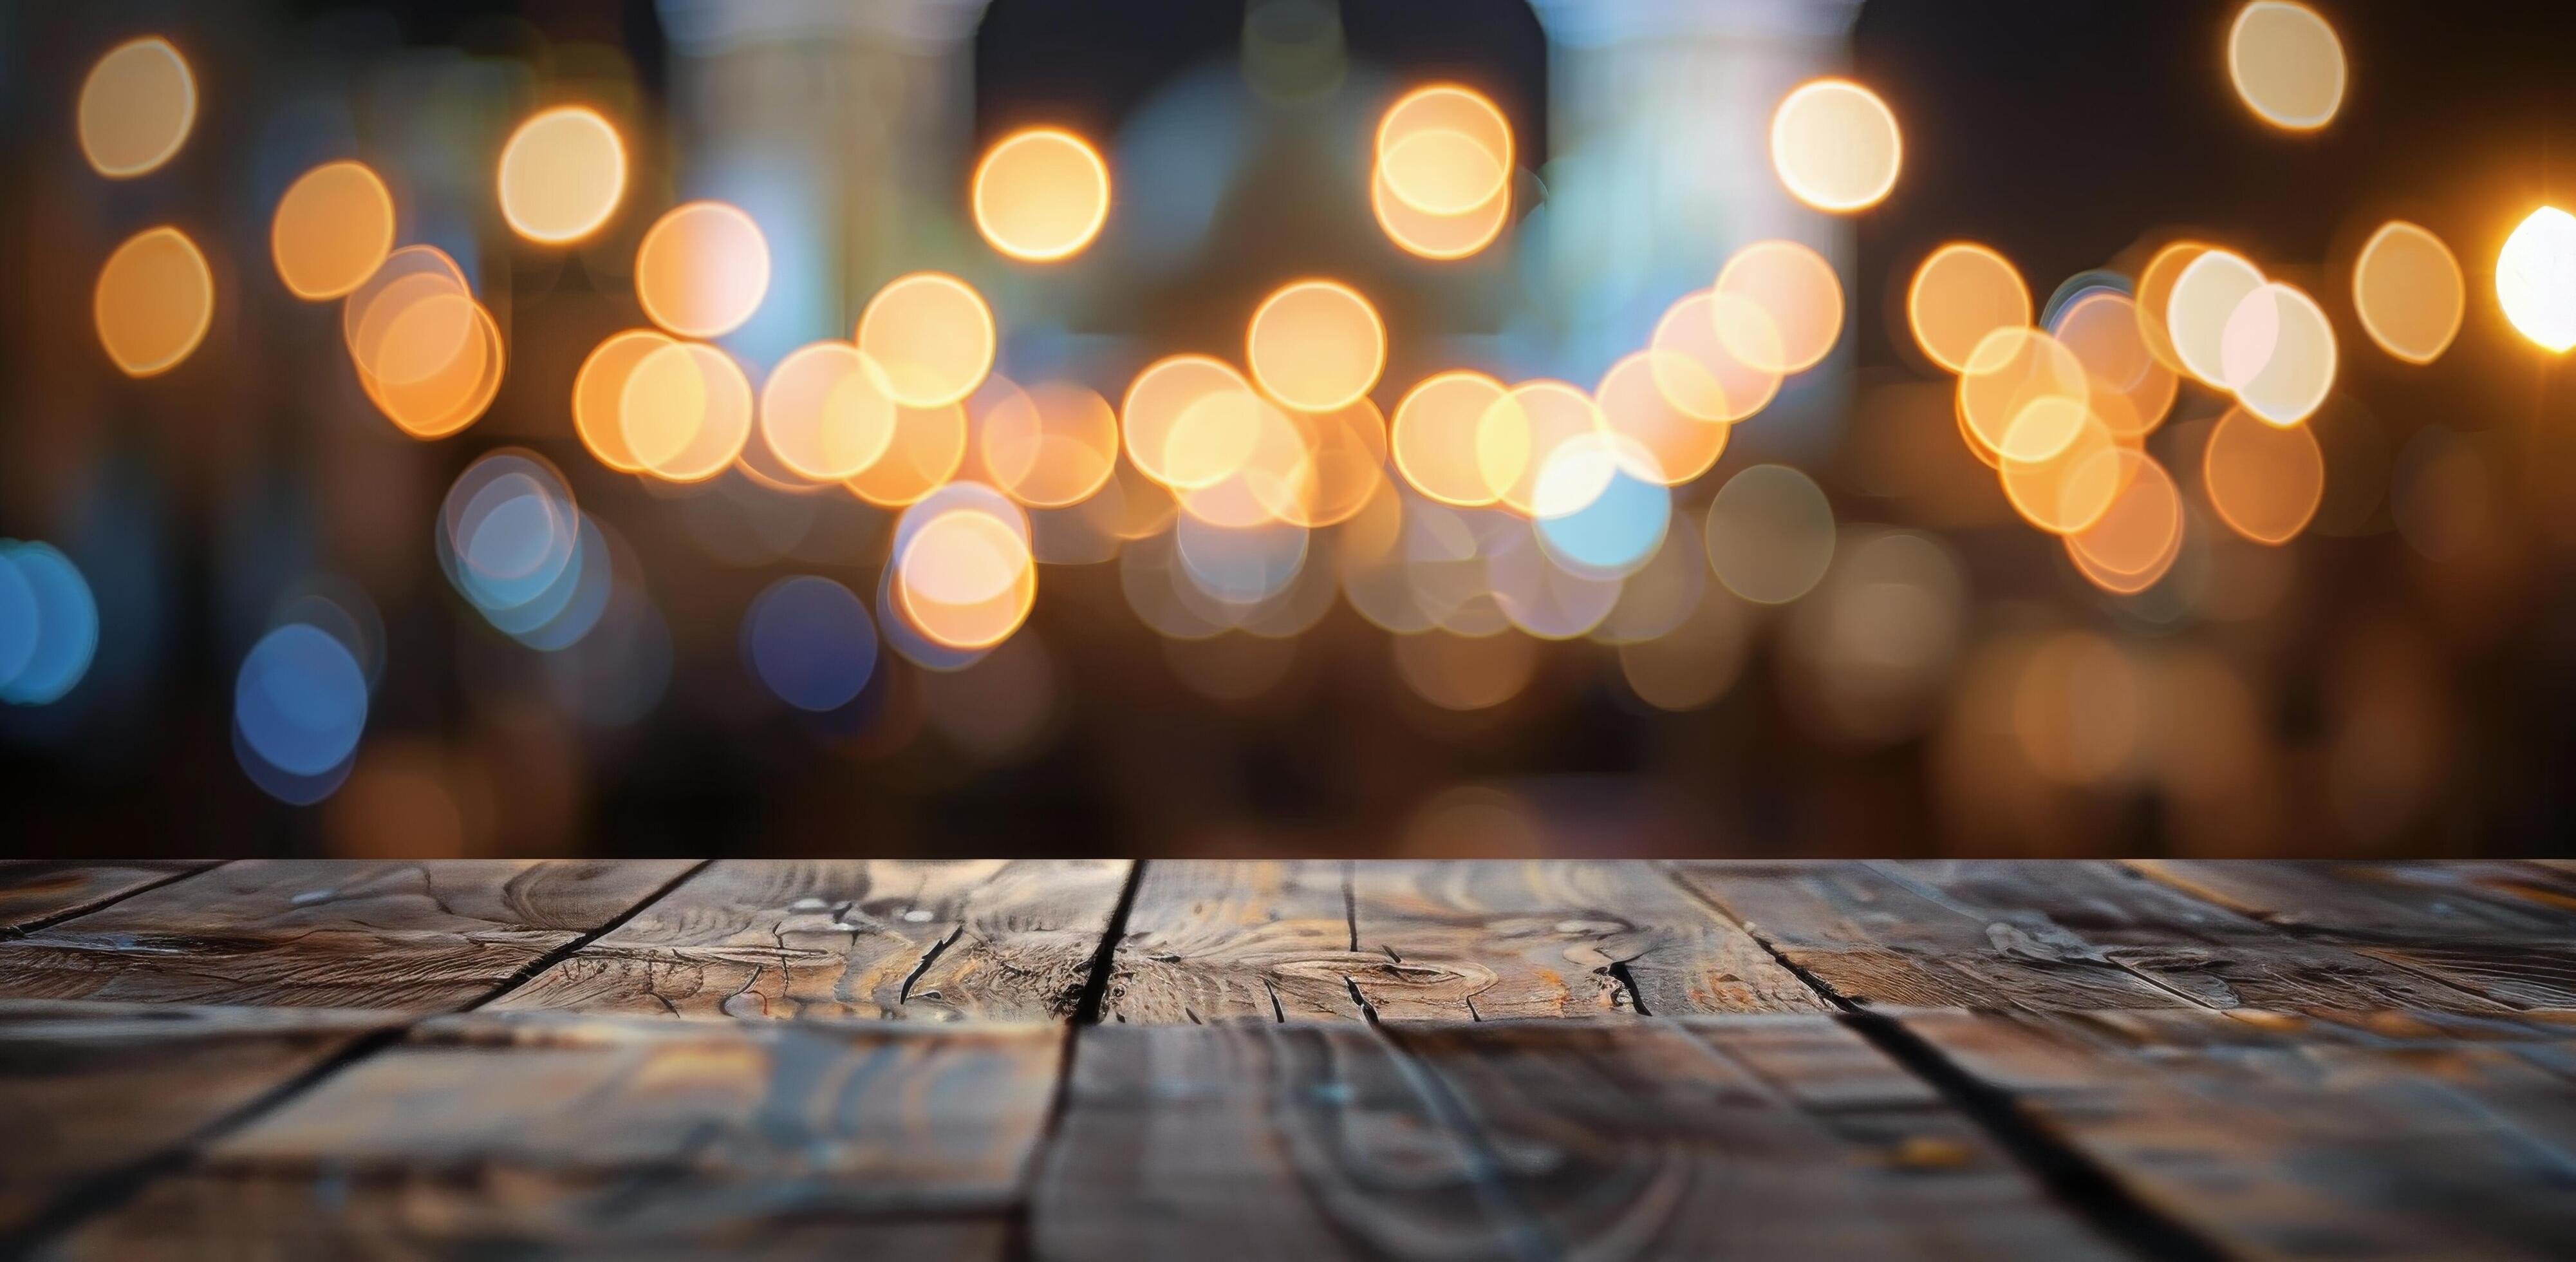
{"x":1865,"y":647}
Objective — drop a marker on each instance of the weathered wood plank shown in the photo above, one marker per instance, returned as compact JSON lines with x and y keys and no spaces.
{"x":1501,"y":939}
{"x":921,"y":939}
{"x":2503,"y":930}
{"x":1728,"y":1137}
{"x":87,"y":1089}
{"x":2196,"y":949}
{"x":1210,"y":940}
{"x":2275,"y":1134}
{"x":1297,"y":1141}
{"x":1773,"y":1136}
{"x":1876,"y":939}
{"x":615,"y":1136}
{"x":33,"y":891}
{"x":324,"y":933}
{"x":1406,"y":941}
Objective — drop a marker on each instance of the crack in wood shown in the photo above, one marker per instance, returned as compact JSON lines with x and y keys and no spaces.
{"x":1368,"y":1011}
{"x":1351,"y":905}
{"x":904,"y":994}
{"x":1618,"y":972}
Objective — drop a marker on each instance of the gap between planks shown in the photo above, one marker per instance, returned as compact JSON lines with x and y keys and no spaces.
{"x":2084,"y":1186}
{"x":51,"y":919}
{"x":112,"y":1188}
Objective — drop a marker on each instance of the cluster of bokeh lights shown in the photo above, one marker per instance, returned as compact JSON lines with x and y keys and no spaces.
{"x":1471,"y":519}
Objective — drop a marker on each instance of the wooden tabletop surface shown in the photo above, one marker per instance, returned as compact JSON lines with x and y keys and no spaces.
{"x":1305,"y":1059}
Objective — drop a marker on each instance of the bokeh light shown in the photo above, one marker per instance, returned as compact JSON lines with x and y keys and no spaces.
{"x":300,"y":701}
{"x":333,"y":228}
{"x":1695,"y":366}
{"x":1052,"y":445}
{"x":2265,"y":481}
{"x":1835,"y":145}
{"x":599,"y":394}
{"x":702,"y":269}
{"x":928,"y":446}
{"x":508,"y":533}
{"x":1542,"y":598}
{"x":2206,"y":294}
{"x":1242,"y":566}
{"x":573,"y":605}
{"x":963,"y":573}
{"x":1602,"y":507}
{"x":1659,"y":596}
{"x":19,"y":616}
{"x":562,"y":174}
{"x":1435,"y":433}
{"x":810,"y":641}
{"x":932,"y":337}
{"x":445,"y":399}
{"x":1441,"y":171}
{"x":1164,"y":407}
{"x":2136,"y":539}
{"x":2536,"y":278}
{"x":1962,"y":292}
{"x":154,"y":302}
{"x":48,"y":623}
{"x":2011,"y":370}
{"x":1242,"y":463}
{"x":2059,"y":465}
{"x":1345,"y":461}
{"x":1770,"y":534}
{"x":1445,"y":150}
{"x":2407,"y":289}
{"x":1440,"y":238}
{"x":685,"y":412}
{"x":1316,"y":345}
{"x":136,"y":107}
{"x":1521,"y":431}
{"x":2132,"y":390}
{"x":1798,"y":289}
{"x":1041,"y":194}
{"x":2155,"y":297}
{"x":1634,"y":406}
{"x":2286,"y":63}
{"x":824,"y":412}
{"x":2278,"y":354}
{"x":1440,"y":179}
{"x":427,"y":354}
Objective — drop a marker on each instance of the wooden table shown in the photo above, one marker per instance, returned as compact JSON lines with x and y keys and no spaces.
{"x":1103,"y":1059}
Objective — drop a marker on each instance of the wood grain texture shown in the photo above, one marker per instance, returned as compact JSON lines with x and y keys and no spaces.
{"x":1875,"y":938}
{"x":917,"y":939}
{"x":1741,"y":1137}
{"x":614,"y":1136}
{"x":2201,"y":951}
{"x":91,"y":1088}
{"x":2499,"y":929}
{"x":1405,"y":941}
{"x":2275,"y":1134}
{"x":1298,"y":1141}
{"x":326,"y":933}
{"x":34,"y":891}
